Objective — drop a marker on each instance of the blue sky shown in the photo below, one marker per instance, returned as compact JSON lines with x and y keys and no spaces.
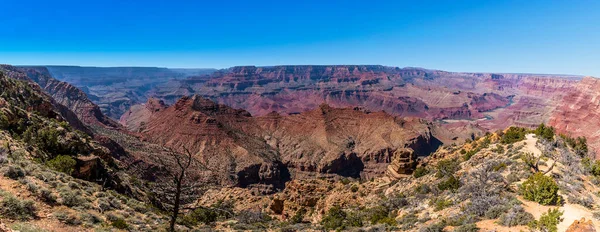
{"x":488,"y":36}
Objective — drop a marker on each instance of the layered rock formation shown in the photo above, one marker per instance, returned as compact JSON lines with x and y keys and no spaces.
{"x":294,"y":89}
{"x":578,"y":113}
{"x":249,"y":150}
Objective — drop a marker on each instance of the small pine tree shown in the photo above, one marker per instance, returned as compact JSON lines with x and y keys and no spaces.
{"x":62,"y":163}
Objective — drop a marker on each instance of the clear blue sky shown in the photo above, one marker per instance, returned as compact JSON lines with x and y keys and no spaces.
{"x":492,"y":36}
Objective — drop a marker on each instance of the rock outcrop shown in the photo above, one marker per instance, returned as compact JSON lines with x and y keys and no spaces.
{"x":4,"y":228}
{"x":403,"y":163}
{"x":581,"y":226}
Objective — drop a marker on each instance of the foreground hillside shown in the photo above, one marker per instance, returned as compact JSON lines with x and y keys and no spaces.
{"x":506,"y":181}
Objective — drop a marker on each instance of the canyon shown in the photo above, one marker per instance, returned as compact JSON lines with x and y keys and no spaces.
{"x":285,"y":139}
{"x":460,"y":105}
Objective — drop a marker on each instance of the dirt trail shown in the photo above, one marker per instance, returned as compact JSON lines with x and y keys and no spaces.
{"x":530,"y":141}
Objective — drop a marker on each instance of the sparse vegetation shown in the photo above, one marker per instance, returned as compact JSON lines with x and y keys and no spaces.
{"x":447,"y":167}
{"x":17,"y":209}
{"x":515,"y":216}
{"x":467,"y":228}
{"x":120,"y":223}
{"x":467,"y":155}
{"x":450,"y":183}
{"x":14,"y":172}
{"x":440,"y":203}
{"x":334,"y":219}
{"x":420,"y":172}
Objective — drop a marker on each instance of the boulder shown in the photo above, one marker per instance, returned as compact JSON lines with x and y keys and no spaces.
{"x":582,"y":225}
{"x":4,"y":228}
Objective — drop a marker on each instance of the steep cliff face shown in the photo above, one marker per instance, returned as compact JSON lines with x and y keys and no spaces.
{"x":578,"y":114}
{"x":70,"y":96}
{"x":552,"y":88}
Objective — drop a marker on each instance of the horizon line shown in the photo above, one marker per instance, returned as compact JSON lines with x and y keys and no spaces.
{"x":259,"y":66}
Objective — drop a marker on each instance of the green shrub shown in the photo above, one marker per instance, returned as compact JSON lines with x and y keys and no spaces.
{"x":423,"y":189}
{"x":499,"y":149}
{"x":32,"y":187}
{"x":62,"y":163}
{"x":345,"y":181}
{"x":334,"y":219}
{"x":14,"y":172}
{"x":420,"y":172}
{"x":541,"y":189}
{"x":380,"y":215}
{"x":298,"y":216}
{"x":355,"y":220}
{"x":467,"y":228}
{"x":544,"y":132}
{"x":354,"y":188}
{"x":70,"y":198}
{"x":591,"y":166}
{"x":4,"y":121}
{"x":451,"y":183}
{"x":440,"y":204}
{"x":198,"y":216}
{"x":47,"y":196}
{"x":66,"y":217}
{"x":120,"y":223}
{"x":548,"y":221}
{"x":470,"y":153}
{"x":26,"y":227}
{"x":580,"y":146}
{"x":496,"y":211}
{"x":14,"y":208}
{"x":90,"y":218}
{"x":514,"y":134}
{"x":435,"y":227}
{"x":447,"y":167}
{"x":408,"y":221}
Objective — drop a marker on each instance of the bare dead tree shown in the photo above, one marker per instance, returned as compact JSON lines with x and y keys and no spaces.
{"x":548,"y":151}
{"x":181,"y":184}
